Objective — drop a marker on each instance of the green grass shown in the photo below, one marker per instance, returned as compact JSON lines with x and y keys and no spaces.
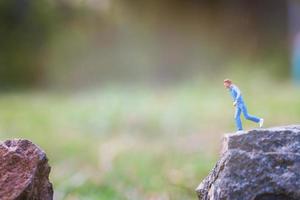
{"x":137,"y":143}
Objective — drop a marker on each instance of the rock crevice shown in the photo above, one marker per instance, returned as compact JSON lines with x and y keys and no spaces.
{"x":256,"y":165}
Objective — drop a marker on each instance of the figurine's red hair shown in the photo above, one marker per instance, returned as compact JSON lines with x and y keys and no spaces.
{"x":228,"y":81}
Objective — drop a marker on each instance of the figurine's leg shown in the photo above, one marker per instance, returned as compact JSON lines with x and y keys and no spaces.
{"x":237,"y":118}
{"x":248,"y":116}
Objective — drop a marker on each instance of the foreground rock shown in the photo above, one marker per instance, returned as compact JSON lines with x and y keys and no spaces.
{"x":24,"y":172}
{"x":260,"y":164}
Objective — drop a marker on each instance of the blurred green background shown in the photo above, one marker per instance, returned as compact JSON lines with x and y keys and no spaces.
{"x":126,"y":97}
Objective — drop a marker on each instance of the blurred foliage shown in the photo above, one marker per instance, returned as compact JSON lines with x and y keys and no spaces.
{"x":25,"y":26}
{"x":82,"y":43}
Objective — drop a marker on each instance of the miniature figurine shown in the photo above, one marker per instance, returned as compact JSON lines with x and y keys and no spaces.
{"x":240,"y":106}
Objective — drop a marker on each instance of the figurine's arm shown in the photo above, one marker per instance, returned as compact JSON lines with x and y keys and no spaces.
{"x":238,"y":95}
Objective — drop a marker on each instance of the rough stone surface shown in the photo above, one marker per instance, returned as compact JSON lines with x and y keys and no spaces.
{"x":262,"y":164}
{"x":24,"y":172}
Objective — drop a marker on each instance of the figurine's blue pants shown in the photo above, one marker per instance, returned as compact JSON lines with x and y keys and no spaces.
{"x":241,"y":107}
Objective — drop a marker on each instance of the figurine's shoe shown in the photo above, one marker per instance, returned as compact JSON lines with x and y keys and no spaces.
{"x":261,"y":123}
{"x":240,"y":131}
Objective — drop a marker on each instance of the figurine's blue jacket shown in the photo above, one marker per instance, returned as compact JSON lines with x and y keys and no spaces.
{"x":236,"y":94}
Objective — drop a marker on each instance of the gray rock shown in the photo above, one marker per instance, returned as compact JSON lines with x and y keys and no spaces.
{"x":262,"y":164}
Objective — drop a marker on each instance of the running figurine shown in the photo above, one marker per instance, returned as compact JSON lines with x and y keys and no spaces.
{"x":240,"y":106}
